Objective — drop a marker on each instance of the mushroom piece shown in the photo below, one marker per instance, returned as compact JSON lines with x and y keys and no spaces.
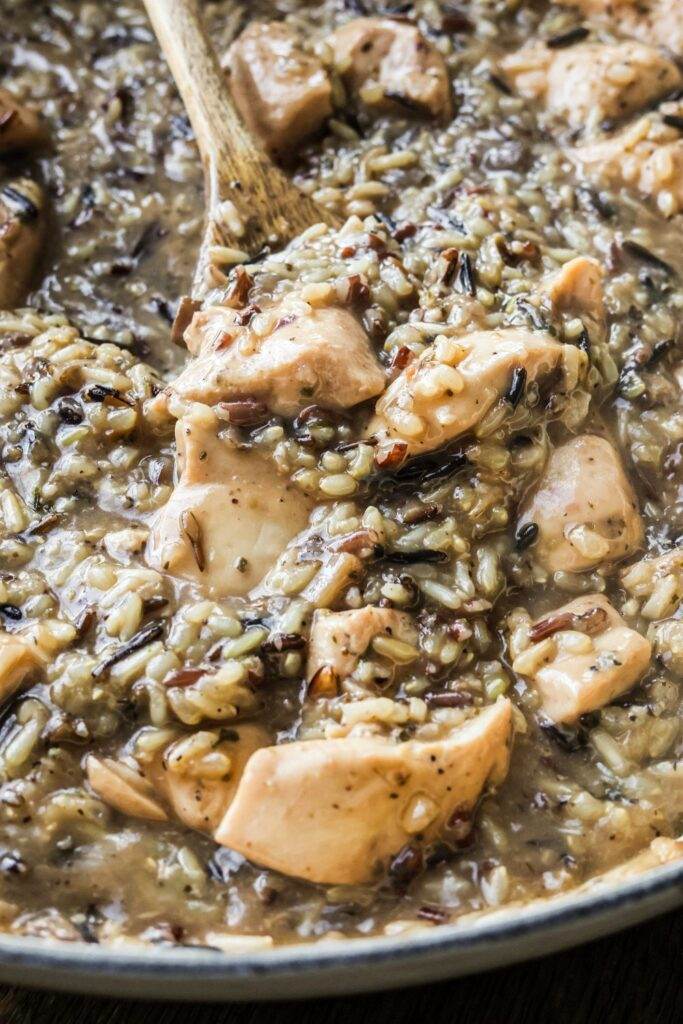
{"x":591,"y":83}
{"x":290,"y":356}
{"x":230,"y":515}
{"x":449,"y":389}
{"x":394,"y":60}
{"x":584,"y":508}
{"x":22,"y":227}
{"x":282,"y":92}
{"x":18,"y":658}
{"x":198,"y":801}
{"x":581,"y":657}
{"x":338,"y":639}
{"x":123,"y":788}
{"x":337,"y":811}
{"x":21,"y":127}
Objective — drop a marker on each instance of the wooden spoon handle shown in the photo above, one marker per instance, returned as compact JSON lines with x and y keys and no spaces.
{"x":240,"y":177}
{"x":200,"y":79}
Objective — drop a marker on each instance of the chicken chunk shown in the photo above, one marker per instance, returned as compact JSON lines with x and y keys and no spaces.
{"x":18,"y":658}
{"x":581,"y":657}
{"x":300,"y":355}
{"x":338,"y":639}
{"x":653,"y":21}
{"x":389,"y":62}
{"x":336,"y":811}
{"x":449,"y":389}
{"x":584,"y":508}
{"x":282,"y":92}
{"x":578,"y":288}
{"x":20,"y":127}
{"x":198,"y":802}
{"x":647,"y":157}
{"x":592,"y":82}
{"x":230,"y":515}
{"x":22,"y":227}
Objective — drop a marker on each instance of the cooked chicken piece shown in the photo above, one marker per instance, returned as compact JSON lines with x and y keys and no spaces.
{"x":123,"y":788}
{"x":653,"y":21}
{"x":300,"y":355}
{"x":338,"y":639}
{"x":391,"y":62}
{"x":592,"y":82}
{"x":577,"y":288}
{"x":584,"y":508}
{"x":336,"y":811}
{"x":230,"y":515}
{"x":18,"y":658}
{"x":647,"y":156}
{"x":20,"y":127}
{"x":581,"y":657}
{"x":282,"y":92}
{"x":201,"y":803}
{"x":22,"y":225}
{"x":449,"y":389}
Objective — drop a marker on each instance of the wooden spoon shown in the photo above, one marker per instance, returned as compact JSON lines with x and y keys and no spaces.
{"x":251,"y":204}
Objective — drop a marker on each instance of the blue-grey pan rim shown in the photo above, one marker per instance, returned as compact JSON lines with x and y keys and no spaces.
{"x":342,"y":967}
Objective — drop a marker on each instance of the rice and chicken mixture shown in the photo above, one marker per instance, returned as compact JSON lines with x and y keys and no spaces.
{"x":360,"y":610}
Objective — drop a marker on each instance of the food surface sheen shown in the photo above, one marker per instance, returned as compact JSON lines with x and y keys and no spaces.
{"x":348,"y":601}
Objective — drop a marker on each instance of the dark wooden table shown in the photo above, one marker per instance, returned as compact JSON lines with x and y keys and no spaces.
{"x":634,"y":978}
